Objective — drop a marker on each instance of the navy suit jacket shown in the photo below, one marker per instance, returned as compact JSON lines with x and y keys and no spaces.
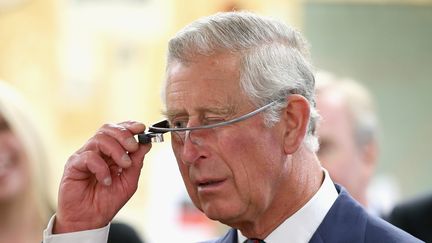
{"x":347,"y":222}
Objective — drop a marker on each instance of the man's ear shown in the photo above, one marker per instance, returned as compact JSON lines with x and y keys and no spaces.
{"x":369,"y":155}
{"x":296,"y":118}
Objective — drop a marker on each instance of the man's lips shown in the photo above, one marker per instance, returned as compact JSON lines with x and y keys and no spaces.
{"x":209,"y":183}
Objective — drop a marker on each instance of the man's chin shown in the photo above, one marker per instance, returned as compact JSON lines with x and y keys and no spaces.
{"x":219,"y":213}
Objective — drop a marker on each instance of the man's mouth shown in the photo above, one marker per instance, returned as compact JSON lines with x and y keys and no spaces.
{"x":209,"y":184}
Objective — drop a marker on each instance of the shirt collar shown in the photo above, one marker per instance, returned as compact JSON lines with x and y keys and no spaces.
{"x":301,"y":226}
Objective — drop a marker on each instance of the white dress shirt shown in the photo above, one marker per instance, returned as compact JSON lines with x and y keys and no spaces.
{"x":302,"y":225}
{"x":298,"y":228}
{"x":88,"y":236}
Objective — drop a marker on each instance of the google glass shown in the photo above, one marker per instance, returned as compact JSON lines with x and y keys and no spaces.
{"x":156,"y":131}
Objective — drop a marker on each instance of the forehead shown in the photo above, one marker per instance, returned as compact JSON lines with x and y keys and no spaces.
{"x":335,"y":114}
{"x":203,"y":80}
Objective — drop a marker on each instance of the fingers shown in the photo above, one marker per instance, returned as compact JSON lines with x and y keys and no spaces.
{"x":112,"y":145}
{"x":123,"y":133}
{"x":85,"y":201}
{"x":132,"y":173}
{"x":95,"y":164}
{"x":137,"y":157}
{"x":134,"y":127}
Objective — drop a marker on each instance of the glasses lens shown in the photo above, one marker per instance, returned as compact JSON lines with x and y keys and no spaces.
{"x":180,"y":129}
{"x":178,"y":137}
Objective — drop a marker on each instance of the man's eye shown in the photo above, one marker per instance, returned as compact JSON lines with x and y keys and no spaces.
{"x":213,"y":120}
{"x":179,"y":124}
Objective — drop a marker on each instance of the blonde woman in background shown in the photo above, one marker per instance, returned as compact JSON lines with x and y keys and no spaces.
{"x":24,"y":204}
{"x":25,"y":207}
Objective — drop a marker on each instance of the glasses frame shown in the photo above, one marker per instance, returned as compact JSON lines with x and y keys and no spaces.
{"x":156,"y":131}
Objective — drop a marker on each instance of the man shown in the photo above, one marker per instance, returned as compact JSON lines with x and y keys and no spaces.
{"x":239,"y":100}
{"x":347,"y":133}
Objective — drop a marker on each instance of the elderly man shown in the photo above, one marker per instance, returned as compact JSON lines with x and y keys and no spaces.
{"x":239,"y":100}
{"x":347,"y":133}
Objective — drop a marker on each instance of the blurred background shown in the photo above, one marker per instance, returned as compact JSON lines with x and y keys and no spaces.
{"x":83,"y":63}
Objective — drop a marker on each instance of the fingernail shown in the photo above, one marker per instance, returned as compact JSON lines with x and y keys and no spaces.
{"x":127,"y":159}
{"x":131,"y":143}
{"x":138,"y":125}
{"x":107,"y":181}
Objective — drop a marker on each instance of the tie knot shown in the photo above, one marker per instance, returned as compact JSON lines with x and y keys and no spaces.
{"x":253,"y":240}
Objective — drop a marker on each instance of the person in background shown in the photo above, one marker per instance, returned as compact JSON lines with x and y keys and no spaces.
{"x":123,"y":233}
{"x":414,"y":216}
{"x":347,"y":133}
{"x":25,"y":206}
{"x":239,"y":103}
{"x":24,"y":203}
{"x":348,"y":136}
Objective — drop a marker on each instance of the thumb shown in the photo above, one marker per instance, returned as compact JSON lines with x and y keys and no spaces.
{"x":132,"y":173}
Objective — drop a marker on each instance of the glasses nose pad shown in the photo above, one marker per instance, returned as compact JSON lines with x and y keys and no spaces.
{"x":183,"y":135}
{"x":197,"y":140}
{"x":178,"y":137}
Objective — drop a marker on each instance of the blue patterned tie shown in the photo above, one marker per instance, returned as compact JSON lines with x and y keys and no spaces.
{"x":254,"y":241}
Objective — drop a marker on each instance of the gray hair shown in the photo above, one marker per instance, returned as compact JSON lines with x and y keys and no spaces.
{"x":274,"y":58}
{"x":359,"y":101}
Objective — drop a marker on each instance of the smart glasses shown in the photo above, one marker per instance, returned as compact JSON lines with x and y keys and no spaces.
{"x":156,"y":131}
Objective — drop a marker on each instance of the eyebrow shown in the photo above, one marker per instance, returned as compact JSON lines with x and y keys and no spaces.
{"x":228,"y":110}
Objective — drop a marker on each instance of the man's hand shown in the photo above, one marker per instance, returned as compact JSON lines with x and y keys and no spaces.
{"x":100,"y":178}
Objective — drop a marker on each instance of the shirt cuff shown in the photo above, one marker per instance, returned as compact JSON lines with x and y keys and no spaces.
{"x":87,"y":236}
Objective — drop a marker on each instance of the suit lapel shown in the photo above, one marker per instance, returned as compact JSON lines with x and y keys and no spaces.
{"x":345,"y":222}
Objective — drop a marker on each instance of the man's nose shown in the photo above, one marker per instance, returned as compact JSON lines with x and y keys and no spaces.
{"x":193,"y":149}
{"x":195,"y":139}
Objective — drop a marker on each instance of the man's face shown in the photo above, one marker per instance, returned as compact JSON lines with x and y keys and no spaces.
{"x":339,"y":152}
{"x":231,"y":173}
